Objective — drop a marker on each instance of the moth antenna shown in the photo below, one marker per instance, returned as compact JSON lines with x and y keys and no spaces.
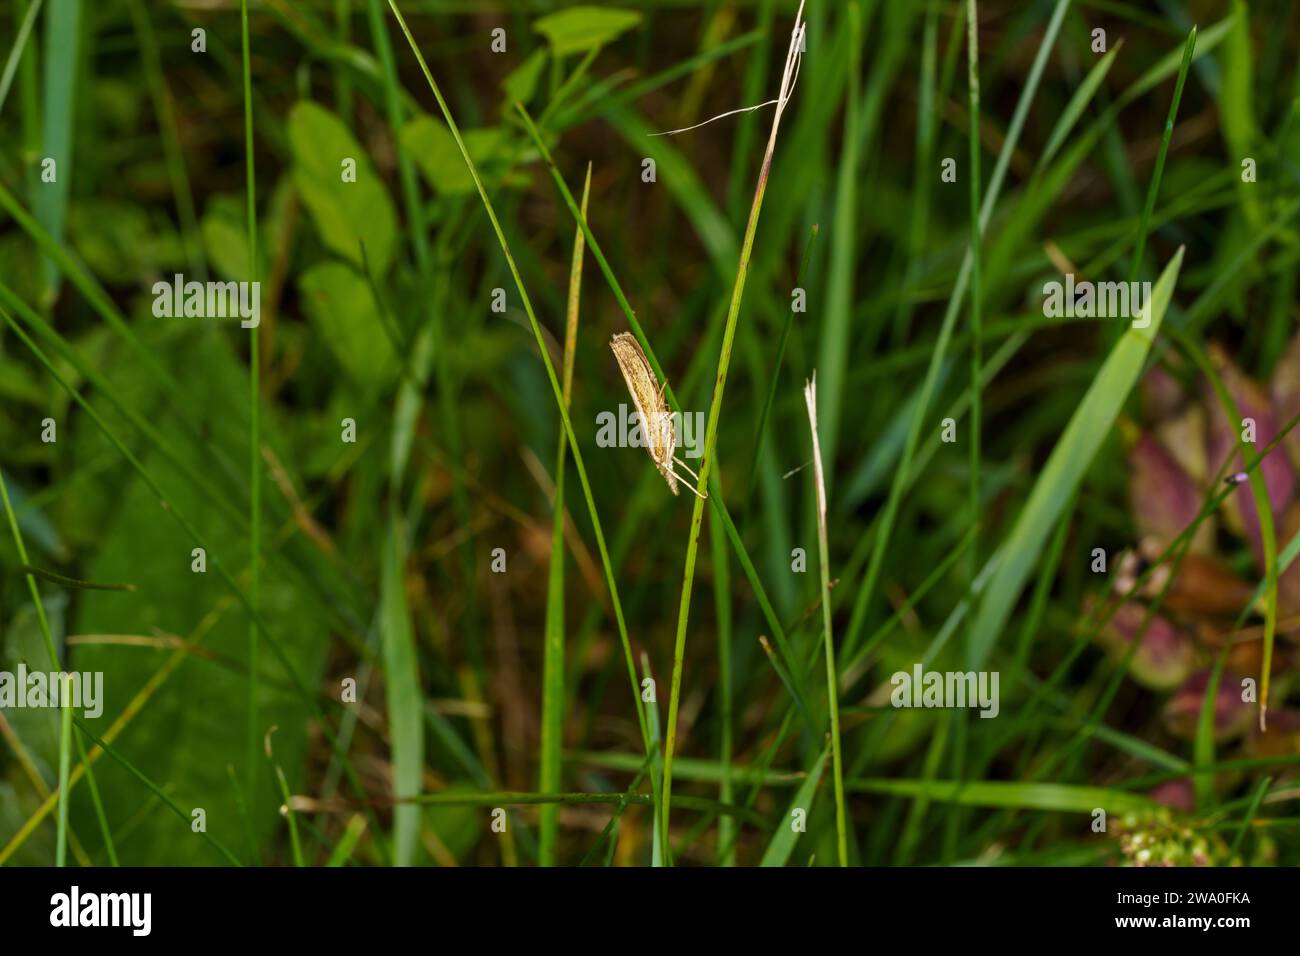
{"x":743,"y":109}
{"x":790,"y":76}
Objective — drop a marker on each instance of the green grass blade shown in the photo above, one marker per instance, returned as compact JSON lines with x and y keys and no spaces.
{"x":1144,"y":225}
{"x":1065,"y":468}
{"x":774,"y":378}
{"x":553,"y":663}
{"x":654,"y":763}
{"x":1255,"y":799}
{"x":1063,"y":798}
{"x":62,"y":58}
{"x":832,"y":692}
{"x":73,"y":583}
{"x":786,"y":836}
{"x":110,"y":847}
{"x":921,"y":801}
{"x":348,"y":842}
{"x":1203,"y":746}
{"x":1263,"y":514}
{"x":1084,"y":95}
{"x":833,"y":355}
{"x":405,"y":703}
{"x":16,"y":51}
{"x":725,"y":696}
{"x":610,"y":831}
{"x":514,"y":798}
{"x":173,"y":156}
{"x":290,"y":816}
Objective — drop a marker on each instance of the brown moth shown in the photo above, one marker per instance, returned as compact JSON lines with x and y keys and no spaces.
{"x":648,"y":397}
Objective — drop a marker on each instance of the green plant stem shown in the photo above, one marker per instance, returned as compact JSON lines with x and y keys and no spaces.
{"x":19,"y":48}
{"x":65,"y":709}
{"x":109,"y":846}
{"x":1153,"y":192}
{"x":553,"y":662}
{"x":832,"y":694}
{"x":706,"y":464}
{"x":760,"y":432}
{"x":1263,"y":515}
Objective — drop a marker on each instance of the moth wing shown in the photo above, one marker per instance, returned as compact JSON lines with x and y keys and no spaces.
{"x":667,"y":437}
{"x":648,"y":397}
{"x":627,"y":357}
{"x":641,"y":385}
{"x":627,"y":343}
{"x":645,"y":421}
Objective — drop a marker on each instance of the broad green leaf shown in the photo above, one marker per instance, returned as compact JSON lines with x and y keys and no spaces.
{"x":18,"y":384}
{"x":1069,"y":462}
{"x":36,"y":527}
{"x":431,"y":144}
{"x":339,"y":302}
{"x":456,"y":828}
{"x":578,"y":29}
{"x":225,"y":232}
{"x":521,"y":83}
{"x":37,"y":727}
{"x":122,"y":243}
{"x":225,"y":237}
{"x":783,"y":840}
{"x":346,"y":214}
{"x":196,"y":724}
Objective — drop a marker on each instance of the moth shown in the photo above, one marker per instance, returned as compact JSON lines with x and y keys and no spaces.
{"x":656,"y":420}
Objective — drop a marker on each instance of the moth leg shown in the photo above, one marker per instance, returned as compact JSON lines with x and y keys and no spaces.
{"x":687,"y":485}
{"x":687,"y":467}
